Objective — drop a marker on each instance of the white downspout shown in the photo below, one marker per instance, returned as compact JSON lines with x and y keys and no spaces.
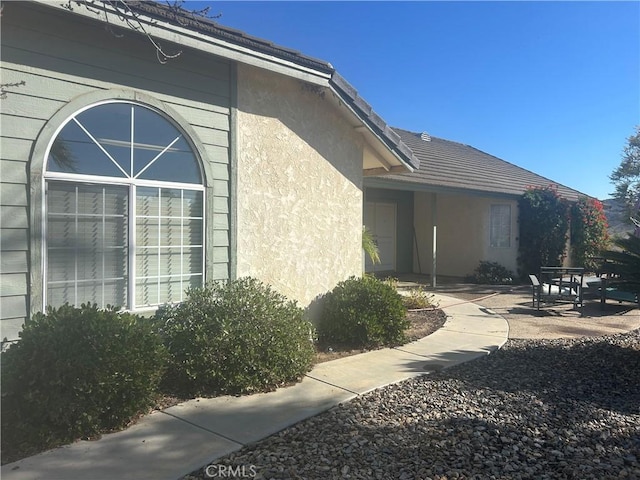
{"x":434,"y":221}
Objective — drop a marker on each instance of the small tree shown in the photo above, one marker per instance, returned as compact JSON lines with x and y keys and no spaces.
{"x":589,"y":237}
{"x":626,"y":178}
{"x":544,"y":223}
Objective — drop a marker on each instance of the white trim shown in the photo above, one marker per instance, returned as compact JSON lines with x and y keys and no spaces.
{"x":182,"y":242}
{"x":158,"y":156}
{"x":43,"y":242}
{"x":130,"y":219}
{"x":75,"y":248}
{"x":98,"y":144}
{"x":132,"y":103}
{"x":165,"y":184}
{"x":132,"y":243}
{"x":502,"y":226}
{"x":94,"y":179}
{"x":103,"y":246}
{"x":132,"y":144}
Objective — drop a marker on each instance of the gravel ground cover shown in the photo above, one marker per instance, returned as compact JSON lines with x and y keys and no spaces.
{"x":536,"y":409}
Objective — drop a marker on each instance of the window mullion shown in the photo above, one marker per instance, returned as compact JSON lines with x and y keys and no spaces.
{"x":132,"y":140}
{"x":104,"y":239}
{"x":132,"y":231}
{"x":99,"y":145}
{"x":159,"y":242}
{"x":158,"y":156}
{"x":75,"y":249}
{"x":181,"y":243}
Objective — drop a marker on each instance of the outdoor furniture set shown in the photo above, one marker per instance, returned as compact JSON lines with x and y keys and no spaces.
{"x":571,"y":285}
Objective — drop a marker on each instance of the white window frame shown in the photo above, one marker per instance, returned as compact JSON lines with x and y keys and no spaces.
{"x":496,"y":215}
{"x":132,"y":183}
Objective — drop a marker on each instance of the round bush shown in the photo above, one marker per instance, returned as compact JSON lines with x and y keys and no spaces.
{"x":234,"y":337}
{"x":363,"y":312}
{"x":77,"y":372}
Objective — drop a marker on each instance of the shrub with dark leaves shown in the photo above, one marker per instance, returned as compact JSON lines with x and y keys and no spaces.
{"x":77,"y":372}
{"x":234,"y":337}
{"x":363,"y":312}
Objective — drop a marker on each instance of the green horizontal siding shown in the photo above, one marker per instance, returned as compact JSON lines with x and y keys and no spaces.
{"x":61,"y":56}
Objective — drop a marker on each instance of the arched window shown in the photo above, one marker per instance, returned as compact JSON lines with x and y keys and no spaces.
{"x":124,"y":220}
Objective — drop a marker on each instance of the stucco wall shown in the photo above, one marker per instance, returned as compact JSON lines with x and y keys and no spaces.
{"x":463,"y":223}
{"x":299,"y":187}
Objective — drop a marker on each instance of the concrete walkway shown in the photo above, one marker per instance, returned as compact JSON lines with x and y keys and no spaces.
{"x":183,"y":438}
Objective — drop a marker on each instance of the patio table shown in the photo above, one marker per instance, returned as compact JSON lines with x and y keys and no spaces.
{"x":559,"y":284}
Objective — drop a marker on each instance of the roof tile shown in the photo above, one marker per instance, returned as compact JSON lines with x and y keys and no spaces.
{"x":452,"y":165}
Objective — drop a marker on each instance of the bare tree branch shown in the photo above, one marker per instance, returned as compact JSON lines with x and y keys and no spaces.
{"x":130,"y":18}
{"x":4,"y":86}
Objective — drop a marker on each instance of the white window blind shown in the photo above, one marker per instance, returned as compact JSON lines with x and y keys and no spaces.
{"x":500,"y":226}
{"x":124,"y":210}
{"x":87,"y":249}
{"x":168,"y":244}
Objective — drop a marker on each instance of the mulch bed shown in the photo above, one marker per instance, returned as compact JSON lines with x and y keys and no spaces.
{"x":423,"y":323}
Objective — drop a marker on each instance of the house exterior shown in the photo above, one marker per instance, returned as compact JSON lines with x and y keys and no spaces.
{"x":125,"y":180}
{"x":458,"y":208}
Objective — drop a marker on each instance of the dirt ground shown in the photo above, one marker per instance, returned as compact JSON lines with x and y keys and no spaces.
{"x":553,"y":321}
{"x":423,"y":323}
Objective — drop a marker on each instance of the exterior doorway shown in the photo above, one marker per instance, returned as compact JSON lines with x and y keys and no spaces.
{"x":380,"y":219}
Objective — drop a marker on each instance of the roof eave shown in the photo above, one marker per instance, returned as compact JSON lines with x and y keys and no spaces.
{"x":219,"y":41}
{"x":188,"y":30}
{"x":375,"y":127}
{"x":394,"y":183}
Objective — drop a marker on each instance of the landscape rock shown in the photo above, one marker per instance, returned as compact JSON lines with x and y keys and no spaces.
{"x":536,"y":409}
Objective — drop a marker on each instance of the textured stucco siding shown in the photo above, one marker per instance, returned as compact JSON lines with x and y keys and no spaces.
{"x":463,"y":226}
{"x":299,"y":187}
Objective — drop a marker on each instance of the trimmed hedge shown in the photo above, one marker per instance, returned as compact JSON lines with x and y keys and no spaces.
{"x":77,"y":372}
{"x":234,"y":337}
{"x":363,"y":313}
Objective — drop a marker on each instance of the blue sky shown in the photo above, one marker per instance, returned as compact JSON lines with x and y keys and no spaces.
{"x":553,"y":87}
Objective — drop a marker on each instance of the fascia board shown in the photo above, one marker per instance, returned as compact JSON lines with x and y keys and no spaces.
{"x":196,"y":40}
{"x":370,"y":135}
{"x":384,"y":183}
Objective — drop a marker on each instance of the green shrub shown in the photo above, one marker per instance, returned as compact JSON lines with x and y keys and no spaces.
{"x":492,"y":273}
{"x":589,"y":236}
{"x":418,"y":298}
{"x":77,"y":372}
{"x":544,"y":227}
{"x":234,"y":337}
{"x":393,"y":282}
{"x":363,"y":312}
